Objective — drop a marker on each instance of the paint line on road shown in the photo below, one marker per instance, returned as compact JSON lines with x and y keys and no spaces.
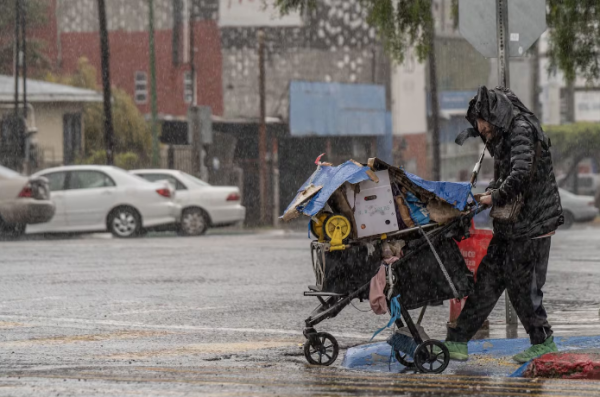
{"x":186,"y":309}
{"x":201,"y":348}
{"x":9,"y":324}
{"x":54,"y":321}
{"x":59,"y":340}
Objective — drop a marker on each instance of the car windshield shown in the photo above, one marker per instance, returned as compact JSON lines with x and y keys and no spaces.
{"x":195,"y":180}
{"x":8,"y":173}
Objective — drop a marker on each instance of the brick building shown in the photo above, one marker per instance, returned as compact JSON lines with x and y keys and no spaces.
{"x":72,"y":33}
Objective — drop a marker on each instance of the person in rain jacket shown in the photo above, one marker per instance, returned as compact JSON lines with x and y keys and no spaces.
{"x":517,"y":257}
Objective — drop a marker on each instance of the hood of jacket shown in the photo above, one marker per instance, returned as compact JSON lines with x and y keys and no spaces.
{"x":499,"y":107}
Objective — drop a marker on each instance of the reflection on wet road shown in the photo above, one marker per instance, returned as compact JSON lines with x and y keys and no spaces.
{"x":268,"y":379}
{"x":175,"y":317}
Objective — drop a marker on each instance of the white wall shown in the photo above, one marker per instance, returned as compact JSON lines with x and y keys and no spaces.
{"x":409,"y":113}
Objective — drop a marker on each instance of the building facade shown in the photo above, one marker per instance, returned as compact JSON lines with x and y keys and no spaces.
{"x":72,"y":33}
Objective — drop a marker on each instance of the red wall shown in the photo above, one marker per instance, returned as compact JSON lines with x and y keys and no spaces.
{"x":130,"y":53}
{"x":415,"y":148}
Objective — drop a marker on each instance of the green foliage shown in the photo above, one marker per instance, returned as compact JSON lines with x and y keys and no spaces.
{"x":400,"y":24}
{"x":577,"y":140}
{"x":575,"y":37}
{"x":36,"y":16}
{"x":132,"y":132}
{"x":574,"y":40}
{"x":127,"y":160}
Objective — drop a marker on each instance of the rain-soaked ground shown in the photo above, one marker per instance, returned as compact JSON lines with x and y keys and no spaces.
{"x":223,"y":315}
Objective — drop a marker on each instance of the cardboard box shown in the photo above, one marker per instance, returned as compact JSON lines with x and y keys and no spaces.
{"x":374,"y":210}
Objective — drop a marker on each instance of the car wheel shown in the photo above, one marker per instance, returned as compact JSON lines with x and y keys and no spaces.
{"x":11,"y":230}
{"x":194,"y":222}
{"x":569,"y":220}
{"x":124,"y":222}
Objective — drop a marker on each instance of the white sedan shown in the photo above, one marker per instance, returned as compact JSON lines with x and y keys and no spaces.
{"x":23,"y":200}
{"x":99,"y":198}
{"x":203,"y":205}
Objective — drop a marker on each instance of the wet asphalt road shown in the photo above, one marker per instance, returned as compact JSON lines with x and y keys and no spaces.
{"x":223,"y":315}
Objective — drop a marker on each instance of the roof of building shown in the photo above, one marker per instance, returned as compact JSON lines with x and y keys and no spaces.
{"x":42,"y":91}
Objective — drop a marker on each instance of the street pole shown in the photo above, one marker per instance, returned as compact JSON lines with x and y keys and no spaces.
{"x":192,"y":58}
{"x":24,"y":52}
{"x":262,"y":131}
{"x":17,"y":53}
{"x":153,"y":87}
{"x":27,"y":162}
{"x":435,"y":107}
{"x":503,"y":40}
{"x":504,"y":81}
{"x":105,"y":65}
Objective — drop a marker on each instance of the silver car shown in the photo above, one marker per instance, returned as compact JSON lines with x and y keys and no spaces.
{"x":577,"y":208}
{"x":23,"y":200}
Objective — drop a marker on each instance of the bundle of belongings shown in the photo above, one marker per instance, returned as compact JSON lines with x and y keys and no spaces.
{"x":354,"y":201}
{"x":362,"y":216}
{"x":383,"y":234}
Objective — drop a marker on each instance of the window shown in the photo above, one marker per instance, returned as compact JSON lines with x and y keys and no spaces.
{"x":164,"y":177}
{"x":89,"y":180}
{"x":56,"y":181}
{"x":195,"y":180}
{"x":141,"y":87}
{"x":188,"y":86}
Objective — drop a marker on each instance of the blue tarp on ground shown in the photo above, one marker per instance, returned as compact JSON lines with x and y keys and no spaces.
{"x":486,"y":356}
{"x":331,"y":178}
{"x":455,"y":193}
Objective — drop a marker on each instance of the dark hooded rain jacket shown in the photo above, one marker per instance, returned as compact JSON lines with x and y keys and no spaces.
{"x":514,"y":150}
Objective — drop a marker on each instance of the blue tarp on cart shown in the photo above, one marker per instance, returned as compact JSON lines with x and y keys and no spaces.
{"x":455,"y":193}
{"x":331,"y":178}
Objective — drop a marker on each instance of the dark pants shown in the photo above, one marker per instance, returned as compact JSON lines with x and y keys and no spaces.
{"x":520,"y":267}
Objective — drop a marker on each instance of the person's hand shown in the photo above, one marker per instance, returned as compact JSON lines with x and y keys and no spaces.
{"x":486,"y":200}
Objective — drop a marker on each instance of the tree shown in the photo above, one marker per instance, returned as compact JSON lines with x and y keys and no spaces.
{"x":574,"y":143}
{"x":401,"y":25}
{"x":36,"y":11}
{"x":132,"y":131}
{"x":574,"y":37}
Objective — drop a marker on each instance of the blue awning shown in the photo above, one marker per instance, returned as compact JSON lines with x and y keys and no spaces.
{"x":335,"y":109}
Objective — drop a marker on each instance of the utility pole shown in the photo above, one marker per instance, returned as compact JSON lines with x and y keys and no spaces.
{"x":503,"y":37}
{"x":155,"y":162}
{"x":17,"y":53}
{"x":262,"y":131}
{"x":192,"y":57}
{"x":504,"y":81}
{"x":109,"y":135}
{"x":24,"y":52}
{"x":435,"y":106}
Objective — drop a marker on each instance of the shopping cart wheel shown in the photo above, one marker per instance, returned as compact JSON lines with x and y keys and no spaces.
{"x":404,"y":359}
{"x":321,"y":349}
{"x":432,"y":357}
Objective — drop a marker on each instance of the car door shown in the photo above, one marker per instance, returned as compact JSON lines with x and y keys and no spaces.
{"x":57,"y":183}
{"x":90,"y":195}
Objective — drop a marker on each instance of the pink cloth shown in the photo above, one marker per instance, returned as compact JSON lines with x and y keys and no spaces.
{"x":389,"y":261}
{"x":376,"y":295}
